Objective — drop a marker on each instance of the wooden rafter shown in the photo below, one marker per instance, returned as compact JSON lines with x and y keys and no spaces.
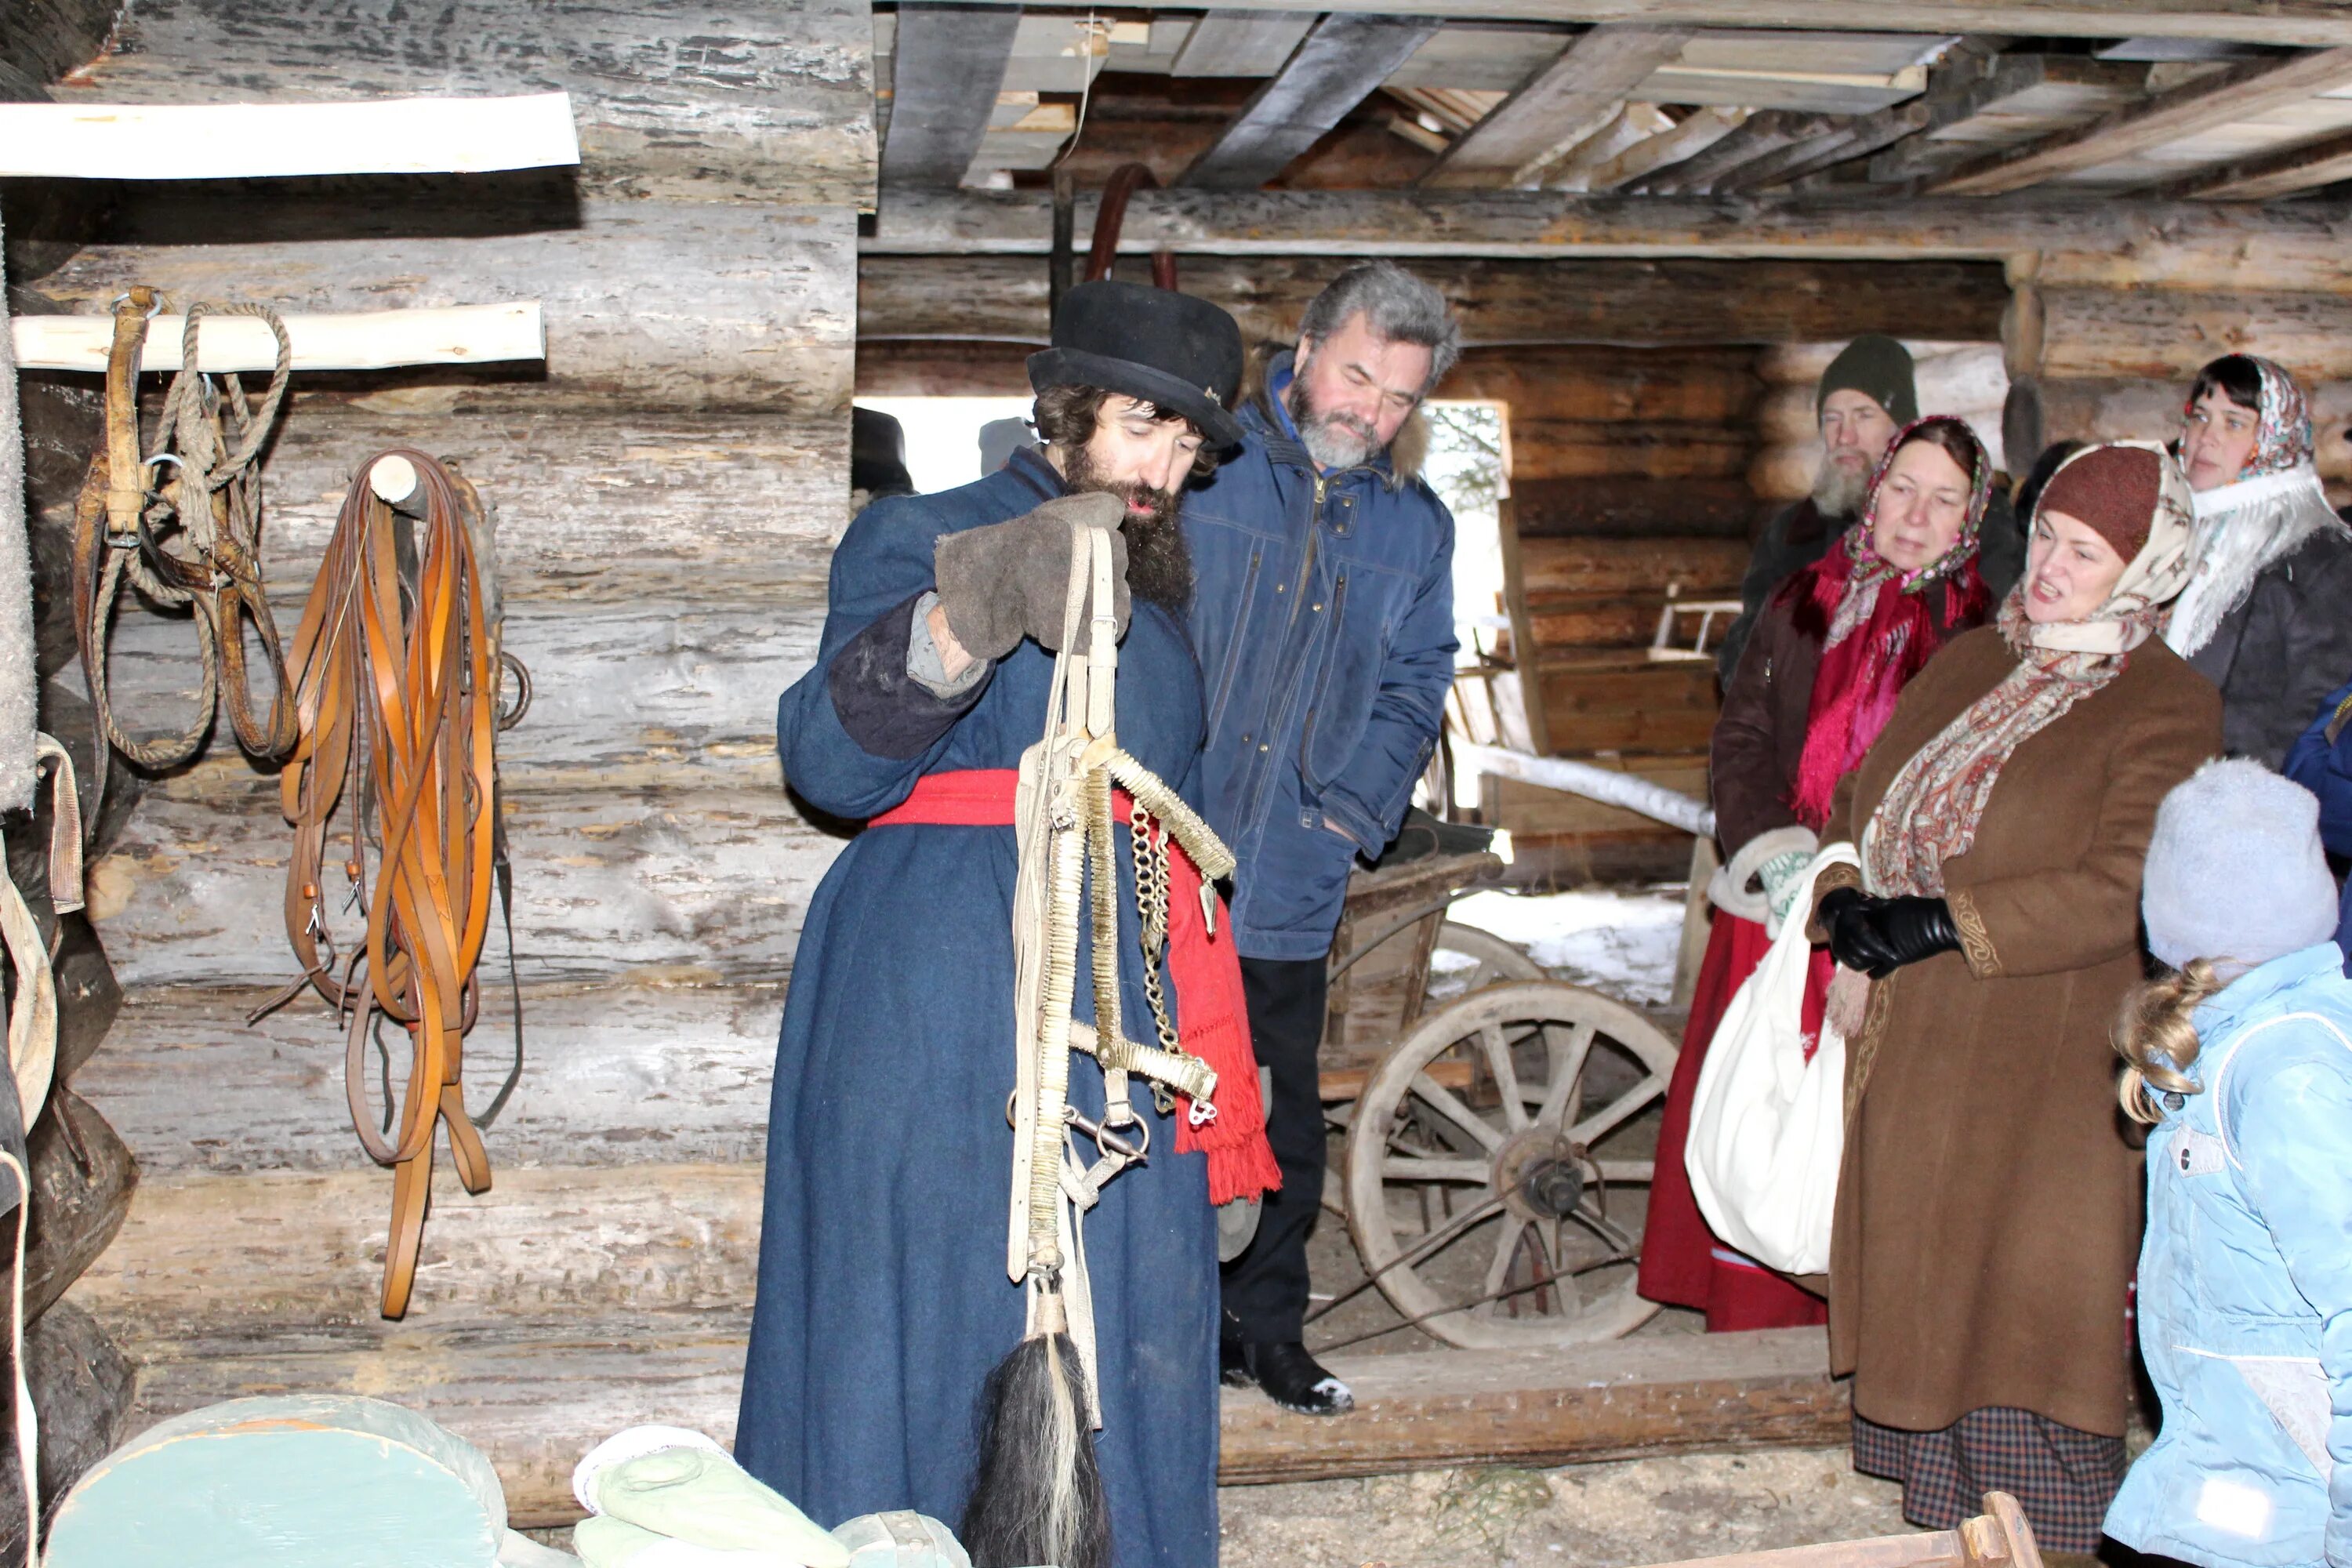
{"x":1865,"y":135}
{"x":1241,"y":42}
{"x":949,"y":68}
{"x":1975,"y":86}
{"x":1563,"y":103}
{"x":2307,"y":23}
{"x":2270,"y":175}
{"x":1337,"y":65}
{"x":1762,"y":135}
{"x":2242,"y":92}
{"x":1702,"y":129}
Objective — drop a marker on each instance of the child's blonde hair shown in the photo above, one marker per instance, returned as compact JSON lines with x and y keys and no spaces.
{"x":2157,"y":1038}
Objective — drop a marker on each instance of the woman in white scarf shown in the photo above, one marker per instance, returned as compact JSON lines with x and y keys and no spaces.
{"x":2267,"y":614}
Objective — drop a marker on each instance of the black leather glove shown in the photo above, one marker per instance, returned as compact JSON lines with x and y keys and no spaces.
{"x":1914,"y":928}
{"x":1012,"y":580}
{"x":1849,"y":915}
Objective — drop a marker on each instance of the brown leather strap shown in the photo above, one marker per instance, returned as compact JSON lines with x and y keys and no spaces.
{"x":395,"y":690}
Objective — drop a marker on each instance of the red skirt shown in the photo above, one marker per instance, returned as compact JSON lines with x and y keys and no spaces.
{"x":1683,"y":1264}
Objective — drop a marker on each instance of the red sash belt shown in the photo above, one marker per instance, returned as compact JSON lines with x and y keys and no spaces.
{"x":1212,"y":1011}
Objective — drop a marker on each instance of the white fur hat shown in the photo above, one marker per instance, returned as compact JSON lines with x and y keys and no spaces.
{"x":2235,"y":872}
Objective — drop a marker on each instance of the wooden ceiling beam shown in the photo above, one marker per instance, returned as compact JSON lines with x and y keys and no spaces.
{"x":2272,"y":175}
{"x":1865,"y":135}
{"x":1338,"y":65}
{"x":948,"y":70}
{"x":1702,"y":129}
{"x":1241,"y":42}
{"x":2242,"y":92}
{"x":1763,"y":135}
{"x":2304,"y":23}
{"x":2169,"y":244}
{"x":1561,"y":105}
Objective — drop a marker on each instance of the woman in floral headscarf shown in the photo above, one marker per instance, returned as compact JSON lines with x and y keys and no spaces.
{"x":1987,"y":1214}
{"x":2267,"y":614}
{"x":1815,"y":684}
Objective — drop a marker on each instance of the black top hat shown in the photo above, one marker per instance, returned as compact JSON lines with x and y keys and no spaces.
{"x":1179,"y":354}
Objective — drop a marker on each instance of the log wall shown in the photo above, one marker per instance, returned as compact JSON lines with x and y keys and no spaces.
{"x":667,"y":488}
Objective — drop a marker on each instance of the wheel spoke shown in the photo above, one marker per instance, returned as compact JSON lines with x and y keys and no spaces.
{"x":1507,"y":1248}
{"x":1628,"y":1172}
{"x":1624,"y":1107}
{"x":1423,"y":1169}
{"x":1565,"y":1076}
{"x":1506,"y":1076}
{"x":1444,"y":1101}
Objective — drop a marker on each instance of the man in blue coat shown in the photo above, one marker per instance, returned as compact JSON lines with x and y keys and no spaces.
{"x":883,"y":1295}
{"x":1324,"y":620}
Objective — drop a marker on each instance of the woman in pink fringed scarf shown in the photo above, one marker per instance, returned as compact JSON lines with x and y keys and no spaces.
{"x":1816,"y":683}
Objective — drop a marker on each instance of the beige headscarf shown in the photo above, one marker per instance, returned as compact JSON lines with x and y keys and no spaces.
{"x":1931,"y":811}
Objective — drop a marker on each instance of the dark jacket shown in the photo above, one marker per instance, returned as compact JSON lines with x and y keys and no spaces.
{"x":1323,"y":616}
{"x":2276,"y":656}
{"x":2321,"y":762}
{"x":883,"y":1302}
{"x":1759,"y":737}
{"x":1800,"y":535}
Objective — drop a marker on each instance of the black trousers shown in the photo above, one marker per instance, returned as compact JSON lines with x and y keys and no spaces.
{"x":1266,"y":1286}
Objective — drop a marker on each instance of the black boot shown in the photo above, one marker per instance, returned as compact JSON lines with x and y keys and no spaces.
{"x":1233,"y":1352}
{"x":1293,"y":1380}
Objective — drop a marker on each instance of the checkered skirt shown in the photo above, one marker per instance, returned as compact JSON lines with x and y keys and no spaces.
{"x":2062,"y":1478}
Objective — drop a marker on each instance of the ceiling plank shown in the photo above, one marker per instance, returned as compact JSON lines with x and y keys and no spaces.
{"x":948,"y":70}
{"x":1974,"y":87}
{"x":2272,"y":174}
{"x":1702,"y":129}
{"x":1339,"y":65}
{"x":1763,"y":134}
{"x":1241,"y":43}
{"x":1586,"y":83}
{"x":2305,"y":23}
{"x":2241,"y":92}
{"x":1630,"y":127}
{"x":2185,"y":245}
{"x":1865,"y":135}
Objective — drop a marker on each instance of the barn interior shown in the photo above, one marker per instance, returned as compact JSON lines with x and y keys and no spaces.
{"x":1657,"y":222}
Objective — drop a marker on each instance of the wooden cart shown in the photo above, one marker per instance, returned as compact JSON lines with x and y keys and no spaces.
{"x":1497,"y":1166}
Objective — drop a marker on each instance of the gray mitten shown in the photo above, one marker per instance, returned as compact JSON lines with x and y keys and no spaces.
{"x":1012,"y":580}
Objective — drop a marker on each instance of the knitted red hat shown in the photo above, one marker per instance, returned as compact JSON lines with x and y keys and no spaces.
{"x":2112,"y":488}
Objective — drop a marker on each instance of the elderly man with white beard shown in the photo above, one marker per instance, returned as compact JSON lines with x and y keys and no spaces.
{"x":1867,"y":394}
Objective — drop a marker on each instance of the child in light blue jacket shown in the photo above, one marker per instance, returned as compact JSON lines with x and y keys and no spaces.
{"x":2242,"y":1061}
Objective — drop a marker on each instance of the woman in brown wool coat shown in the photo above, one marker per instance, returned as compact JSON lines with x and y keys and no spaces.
{"x":1987,"y":1212}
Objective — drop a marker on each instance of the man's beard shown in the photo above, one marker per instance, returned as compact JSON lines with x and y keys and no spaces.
{"x":1334,"y":440}
{"x":1158,"y":566}
{"x":1839,"y":488}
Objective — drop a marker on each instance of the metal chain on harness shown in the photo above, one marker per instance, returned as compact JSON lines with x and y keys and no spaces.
{"x":193,"y":538}
{"x":1148,"y":839}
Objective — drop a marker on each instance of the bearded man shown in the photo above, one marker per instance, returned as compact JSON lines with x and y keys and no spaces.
{"x":883,"y":1296}
{"x":1324,"y":624}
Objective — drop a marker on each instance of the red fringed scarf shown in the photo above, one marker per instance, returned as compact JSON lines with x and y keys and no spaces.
{"x":1878,"y":629}
{"x":1204,"y":970}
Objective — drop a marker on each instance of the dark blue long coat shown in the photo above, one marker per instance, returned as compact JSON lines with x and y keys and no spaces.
{"x":883,"y":1301}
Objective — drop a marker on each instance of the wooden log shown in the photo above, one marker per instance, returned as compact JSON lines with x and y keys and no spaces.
{"x":1556,"y":566}
{"x":374,"y":340}
{"x":1703,"y":385}
{"x":535,"y":1406}
{"x":647,"y":304}
{"x":2150,"y":411}
{"x":1691,"y":302}
{"x":1632,"y":507}
{"x":614,"y":1073}
{"x":1339,"y":64}
{"x":919,"y":368}
{"x":2109,"y":333}
{"x":1612,"y":705}
{"x":1702,"y":129}
{"x":1596,"y":621}
{"x":1631,"y":126}
{"x":1531,"y":809}
{"x":647,"y":684}
{"x":2185,"y":244}
{"x":1760,"y":136}
{"x":2268,"y":175}
{"x":2244,"y":93}
{"x":80,"y":141}
{"x":688,"y":884}
{"x":1973,"y":367}
{"x":689,"y":100}
{"x":2306,"y":22}
{"x":1578,"y":449}
{"x":1557,"y":108}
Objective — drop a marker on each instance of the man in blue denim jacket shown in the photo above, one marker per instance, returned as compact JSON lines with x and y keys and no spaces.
{"x":1323,"y":616}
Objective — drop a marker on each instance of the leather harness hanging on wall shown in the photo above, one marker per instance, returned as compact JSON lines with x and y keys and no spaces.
{"x":193,"y":538}
{"x":396,"y":674}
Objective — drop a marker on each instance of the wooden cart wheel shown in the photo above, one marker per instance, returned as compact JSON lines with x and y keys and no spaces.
{"x":1490,"y":962}
{"x":1495,"y":1181}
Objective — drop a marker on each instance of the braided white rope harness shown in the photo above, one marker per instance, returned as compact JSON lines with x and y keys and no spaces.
{"x":1063,"y":819}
